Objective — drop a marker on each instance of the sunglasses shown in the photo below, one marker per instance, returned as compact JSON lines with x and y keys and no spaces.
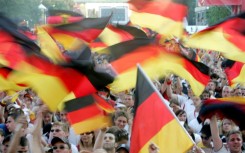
{"x":87,"y":133}
{"x":56,"y":130}
{"x":205,"y":138}
{"x":61,"y":147}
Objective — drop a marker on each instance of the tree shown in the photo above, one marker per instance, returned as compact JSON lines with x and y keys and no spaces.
{"x":216,"y":14}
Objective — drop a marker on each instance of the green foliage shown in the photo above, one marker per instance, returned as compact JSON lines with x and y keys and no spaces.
{"x":216,"y":14}
{"x":191,"y":11}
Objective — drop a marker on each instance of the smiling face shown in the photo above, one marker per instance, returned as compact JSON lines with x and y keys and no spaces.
{"x":235,"y":142}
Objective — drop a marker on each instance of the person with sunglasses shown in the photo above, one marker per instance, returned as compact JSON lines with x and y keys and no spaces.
{"x":60,"y":145}
{"x":61,"y":130}
{"x":206,"y":144}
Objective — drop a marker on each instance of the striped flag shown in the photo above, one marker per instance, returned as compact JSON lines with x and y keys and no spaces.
{"x":155,"y":122}
{"x":226,"y":37}
{"x":85,"y":115}
{"x":235,"y":72}
{"x":231,"y":107}
{"x":158,"y":16}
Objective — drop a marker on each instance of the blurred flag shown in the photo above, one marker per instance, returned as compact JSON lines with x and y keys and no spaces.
{"x":232,"y":108}
{"x":235,"y":72}
{"x":117,"y":34}
{"x":226,"y":37}
{"x":156,"y":62}
{"x":158,"y":16}
{"x":49,"y":47}
{"x":58,"y":17}
{"x":6,"y":84}
{"x":154,"y":116}
{"x":85,"y":115}
{"x":86,"y":30}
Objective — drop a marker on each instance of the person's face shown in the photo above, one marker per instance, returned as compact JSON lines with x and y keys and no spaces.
{"x":235,"y":143}
{"x":47,"y":118}
{"x":175,"y":107}
{"x":57,"y":131}
{"x":4,"y":147}
{"x":182,"y":117}
{"x":227,"y":125}
{"x":238,"y":92}
{"x":63,"y":117}
{"x":226,"y":92}
{"x":61,"y":147}
{"x":128,"y":101}
{"x":109,"y":141}
{"x":10,"y":124}
{"x":211,"y":86}
{"x":87,"y":137}
{"x":121,"y":122}
{"x":196,"y":101}
{"x":23,"y":149}
{"x":206,"y":141}
{"x":205,"y":96}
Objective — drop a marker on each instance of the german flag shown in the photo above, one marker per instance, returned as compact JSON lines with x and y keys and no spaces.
{"x":15,"y":46}
{"x":116,"y":34}
{"x":235,"y":72}
{"x":87,"y":30}
{"x":154,"y":116}
{"x":226,"y":37}
{"x":156,"y":62}
{"x":85,"y":115}
{"x":6,"y":84}
{"x":232,"y":108}
{"x":49,"y":47}
{"x":58,"y":17}
{"x":158,"y":16}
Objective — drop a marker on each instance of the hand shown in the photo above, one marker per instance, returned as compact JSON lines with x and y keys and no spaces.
{"x":153,"y":148}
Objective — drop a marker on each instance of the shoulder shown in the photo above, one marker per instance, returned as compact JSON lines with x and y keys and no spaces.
{"x":222,"y":150}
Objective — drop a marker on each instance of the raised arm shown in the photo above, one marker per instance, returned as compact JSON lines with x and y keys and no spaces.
{"x":215,"y":134}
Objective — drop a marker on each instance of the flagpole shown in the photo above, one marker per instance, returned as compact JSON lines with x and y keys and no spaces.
{"x":163,"y":100}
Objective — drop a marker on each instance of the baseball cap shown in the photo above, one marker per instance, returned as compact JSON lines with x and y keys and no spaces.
{"x":57,"y":139}
{"x":123,"y":146}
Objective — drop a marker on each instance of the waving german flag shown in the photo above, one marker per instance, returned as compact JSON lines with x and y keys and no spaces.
{"x":154,"y":116}
{"x":85,"y":115}
{"x":116,"y":34}
{"x":226,"y":37}
{"x":232,"y":108}
{"x":235,"y":72}
{"x":162,"y":16}
{"x":156,"y":62}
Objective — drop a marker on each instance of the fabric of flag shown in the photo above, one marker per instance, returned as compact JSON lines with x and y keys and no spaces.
{"x":85,"y":115}
{"x":235,"y":72}
{"x":87,"y":30}
{"x":156,"y":62}
{"x":57,"y":17}
{"x":154,"y":121}
{"x":49,"y":47}
{"x":15,"y":46}
{"x":6,"y":84}
{"x":158,"y":16}
{"x":232,"y":108}
{"x":226,"y":37}
{"x":119,"y":33}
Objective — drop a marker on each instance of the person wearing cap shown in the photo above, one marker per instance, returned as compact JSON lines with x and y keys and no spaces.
{"x":60,"y":145}
{"x":123,"y":148}
{"x":61,"y":130}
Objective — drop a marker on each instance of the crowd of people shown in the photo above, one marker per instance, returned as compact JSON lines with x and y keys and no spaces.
{"x":27,"y":125}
